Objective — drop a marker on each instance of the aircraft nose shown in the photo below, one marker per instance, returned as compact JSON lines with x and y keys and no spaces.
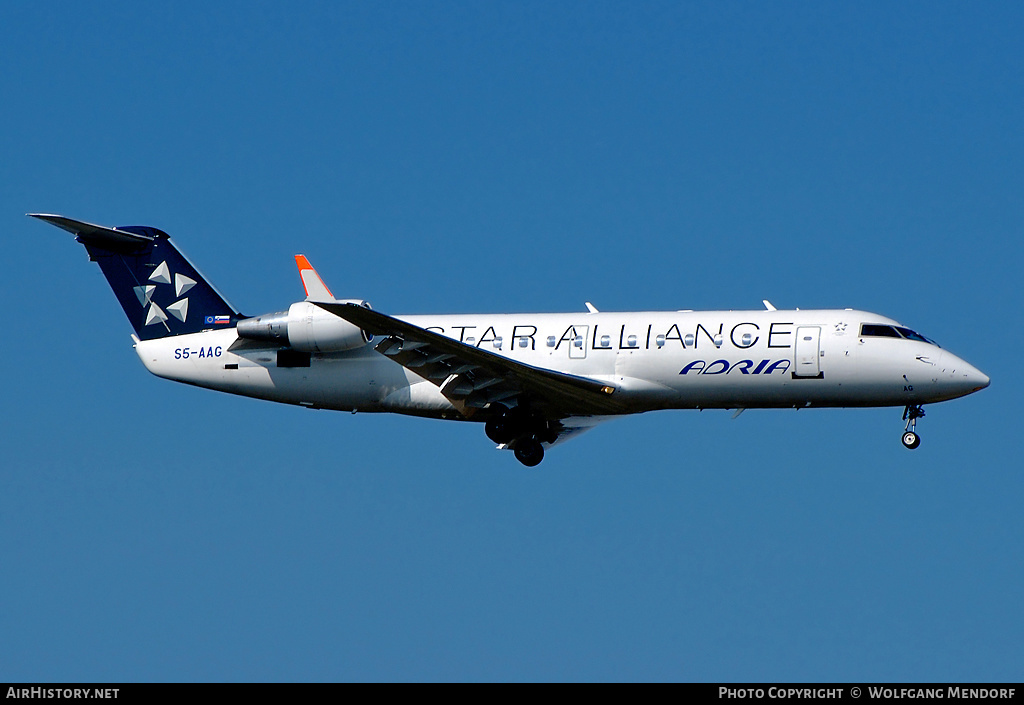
{"x":966,"y":377}
{"x":978,"y":378}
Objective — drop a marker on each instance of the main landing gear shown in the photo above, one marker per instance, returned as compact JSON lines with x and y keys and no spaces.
{"x":529,"y":451}
{"x":911,"y":414}
{"x":523,"y":431}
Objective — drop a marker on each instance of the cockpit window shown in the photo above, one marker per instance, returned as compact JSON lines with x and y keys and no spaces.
{"x":912,"y":335}
{"x":877,"y":330}
{"x":874,"y":330}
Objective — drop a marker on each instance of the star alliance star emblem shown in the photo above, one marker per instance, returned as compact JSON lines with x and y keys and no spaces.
{"x":162,"y":275}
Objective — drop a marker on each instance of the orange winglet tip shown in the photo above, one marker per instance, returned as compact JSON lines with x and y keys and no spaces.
{"x":311,"y":281}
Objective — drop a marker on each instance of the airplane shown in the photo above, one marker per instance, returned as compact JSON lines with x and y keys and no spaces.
{"x":534,"y":380}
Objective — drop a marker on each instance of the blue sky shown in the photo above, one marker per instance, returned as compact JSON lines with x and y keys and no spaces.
{"x":460,"y":157}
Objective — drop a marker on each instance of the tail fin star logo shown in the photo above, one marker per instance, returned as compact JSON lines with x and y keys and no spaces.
{"x":179,"y":309}
{"x":155,"y":315}
{"x":182,"y":284}
{"x":146,"y":293}
{"x":161,"y":275}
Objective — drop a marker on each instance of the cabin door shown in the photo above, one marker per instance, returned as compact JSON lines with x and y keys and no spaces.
{"x":808,"y":352}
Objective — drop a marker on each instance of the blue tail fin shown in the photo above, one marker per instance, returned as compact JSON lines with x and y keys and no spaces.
{"x":160,"y":291}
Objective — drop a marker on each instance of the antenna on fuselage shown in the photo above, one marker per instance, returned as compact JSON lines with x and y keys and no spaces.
{"x":768,"y":305}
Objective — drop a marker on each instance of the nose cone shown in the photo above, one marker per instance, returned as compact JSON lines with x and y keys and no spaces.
{"x":978,"y":379}
{"x":963,"y":377}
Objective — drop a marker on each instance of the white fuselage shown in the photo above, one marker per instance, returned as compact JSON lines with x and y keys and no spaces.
{"x":656,"y":360}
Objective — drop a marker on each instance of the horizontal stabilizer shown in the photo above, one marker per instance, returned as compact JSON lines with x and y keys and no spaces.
{"x":97,"y":235}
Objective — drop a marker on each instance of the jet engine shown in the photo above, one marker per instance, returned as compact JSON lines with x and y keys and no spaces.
{"x":307,"y":328}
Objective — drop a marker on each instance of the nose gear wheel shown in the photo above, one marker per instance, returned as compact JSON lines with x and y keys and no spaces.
{"x":911,"y":414}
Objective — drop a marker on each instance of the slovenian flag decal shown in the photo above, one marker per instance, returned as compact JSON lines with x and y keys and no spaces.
{"x":218,"y":320}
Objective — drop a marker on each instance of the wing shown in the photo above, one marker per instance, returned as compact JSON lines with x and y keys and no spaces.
{"x":471,"y":378}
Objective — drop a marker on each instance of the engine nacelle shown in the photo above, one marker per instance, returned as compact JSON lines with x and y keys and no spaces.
{"x":306,"y":327}
{"x":312,"y":329}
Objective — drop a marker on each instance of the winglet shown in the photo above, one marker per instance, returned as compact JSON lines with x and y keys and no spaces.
{"x":311,"y":281}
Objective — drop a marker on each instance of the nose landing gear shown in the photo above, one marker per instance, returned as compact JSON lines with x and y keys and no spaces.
{"x":911,"y":414}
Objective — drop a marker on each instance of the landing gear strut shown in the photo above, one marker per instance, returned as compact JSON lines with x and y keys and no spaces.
{"x":911,"y":414}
